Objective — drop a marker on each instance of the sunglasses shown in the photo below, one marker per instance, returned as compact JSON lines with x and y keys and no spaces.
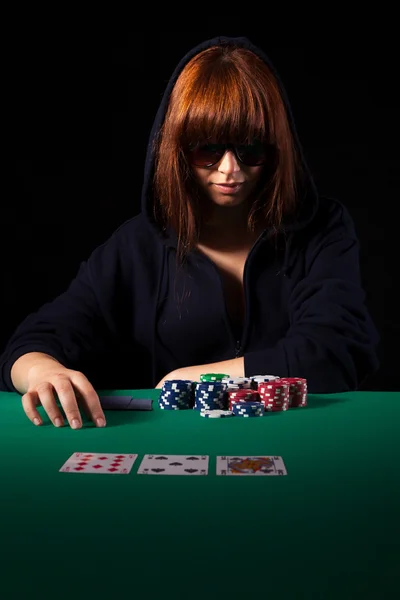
{"x":252,"y":155}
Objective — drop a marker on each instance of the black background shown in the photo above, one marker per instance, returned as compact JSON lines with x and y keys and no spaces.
{"x":81,"y":116}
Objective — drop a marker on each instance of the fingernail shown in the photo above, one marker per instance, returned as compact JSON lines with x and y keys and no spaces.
{"x":100,"y":422}
{"x":75,"y":424}
{"x":36,"y":421}
{"x":57,"y":422}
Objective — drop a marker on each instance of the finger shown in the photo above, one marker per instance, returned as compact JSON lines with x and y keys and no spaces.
{"x":29,"y":403}
{"x":88,"y":399}
{"x":31,"y":400}
{"x":61,"y":386}
{"x":84,"y":407}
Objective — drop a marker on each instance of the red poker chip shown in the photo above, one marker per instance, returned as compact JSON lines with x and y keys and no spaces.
{"x":273,"y":385}
{"x":275,"y":403}
{"x":295,"y":382}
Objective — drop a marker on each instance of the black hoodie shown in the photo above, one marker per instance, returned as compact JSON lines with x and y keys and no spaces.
{"x":119,"y":321}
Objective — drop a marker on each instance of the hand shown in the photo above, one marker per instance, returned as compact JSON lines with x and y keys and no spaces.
{"x":46,"y":378}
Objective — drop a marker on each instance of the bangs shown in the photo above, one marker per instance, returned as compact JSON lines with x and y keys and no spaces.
{"x":223,"y":109}
{"x":225,"y":94}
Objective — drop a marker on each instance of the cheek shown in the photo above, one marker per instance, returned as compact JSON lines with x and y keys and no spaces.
{"x":256,"y":173}
{"x":203,"y":182}
{"x":199,"y":176}
{"x":256,"y":176}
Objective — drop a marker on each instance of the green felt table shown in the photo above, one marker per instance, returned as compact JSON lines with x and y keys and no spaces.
{"x":329,"y":529}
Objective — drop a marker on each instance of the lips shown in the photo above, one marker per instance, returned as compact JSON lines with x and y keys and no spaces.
{"x":230,"y":188}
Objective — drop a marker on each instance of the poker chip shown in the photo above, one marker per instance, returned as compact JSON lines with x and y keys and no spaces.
{"x":210,"y":396}
{"x":216,"y":414}
{"x":243,"y":395}
{"x":257,"y":379}
{"x":218,"y":395}
{"x":274,"y":395}
{"x":207,"y":377}
{"x":297,"y":391}
{"x":239,"y":382}
{"x":176,"y":394}
{"x":248,"y":409}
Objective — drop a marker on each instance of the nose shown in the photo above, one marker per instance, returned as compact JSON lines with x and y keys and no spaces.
{"x":229,"y":163}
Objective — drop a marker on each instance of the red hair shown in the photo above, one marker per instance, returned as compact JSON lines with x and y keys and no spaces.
{"x":224,"y":93}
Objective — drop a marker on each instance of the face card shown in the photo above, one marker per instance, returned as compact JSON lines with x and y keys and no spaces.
{"x":173,"y":464}
{"x":251,"y":465}
{"x":99,"y":463}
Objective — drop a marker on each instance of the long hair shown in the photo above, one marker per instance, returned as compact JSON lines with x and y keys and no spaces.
{"x":224,"y":93}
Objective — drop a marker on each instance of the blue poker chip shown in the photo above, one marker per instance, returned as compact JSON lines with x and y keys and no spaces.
{"x":249,"y":415}
{"x":248,"y":409}
{"x":176,"y":394}
{"x":183,"y":383}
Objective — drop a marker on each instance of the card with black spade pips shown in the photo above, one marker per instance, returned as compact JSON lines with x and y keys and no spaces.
{"x":173,"y":464}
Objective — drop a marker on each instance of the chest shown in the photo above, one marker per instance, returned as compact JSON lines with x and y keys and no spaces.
{"x":196,"y":305}
{"x":231,"y":268}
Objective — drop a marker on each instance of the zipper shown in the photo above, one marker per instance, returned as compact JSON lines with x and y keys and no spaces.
{"x":238,"y":343}
{"x":238,"y":349}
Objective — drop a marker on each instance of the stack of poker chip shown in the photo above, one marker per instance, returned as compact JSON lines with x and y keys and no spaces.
{"x":176,"y":394}
{"x":209,"y":396}
{"x":297,"y":391}
{"x":243,"y":395}
{"x":247,"y":409}
{"x":234,"y":384}
{"x":274,"y":395}
{"x":217,"y":395}
{"x":257,"y":379}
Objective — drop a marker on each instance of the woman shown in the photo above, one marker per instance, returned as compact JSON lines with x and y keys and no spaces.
{"x":234,"y":265}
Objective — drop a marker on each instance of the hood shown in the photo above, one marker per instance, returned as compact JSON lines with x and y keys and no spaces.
{"x":308,"y":203}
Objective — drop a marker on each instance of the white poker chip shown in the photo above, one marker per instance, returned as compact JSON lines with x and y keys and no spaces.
{"x":264,"y":378}
{"x":216,"y":414}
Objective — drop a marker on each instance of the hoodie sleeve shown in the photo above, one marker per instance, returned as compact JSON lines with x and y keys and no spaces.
{"x":331,"y":340}
{"x":79,"y":324}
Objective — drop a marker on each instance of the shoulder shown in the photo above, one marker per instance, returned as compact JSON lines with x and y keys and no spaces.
{"x":137,"y":233}
{"x":134,"y":241}
{"x":331,"y":220}
{"x":134,"y":228}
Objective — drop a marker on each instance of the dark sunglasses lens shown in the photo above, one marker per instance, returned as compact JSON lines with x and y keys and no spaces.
{"x":251,"y":156}
{"x":206,"y":155}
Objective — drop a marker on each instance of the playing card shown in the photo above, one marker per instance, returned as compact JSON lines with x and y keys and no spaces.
{"x":173,"y":464}
{"x":250,"y":465}
{"x":125,"y":403}
{"x":99,"y":463}
{"x":115,"y":402}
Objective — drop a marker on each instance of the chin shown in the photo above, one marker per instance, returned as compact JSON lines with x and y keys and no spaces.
{"x":229,"y":201}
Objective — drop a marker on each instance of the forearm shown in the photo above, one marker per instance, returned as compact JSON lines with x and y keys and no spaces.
{"x":233,"y":368}
{"x":22,"y":366}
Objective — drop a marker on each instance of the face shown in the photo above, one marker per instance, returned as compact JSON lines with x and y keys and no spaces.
{"x":242,"y":180}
